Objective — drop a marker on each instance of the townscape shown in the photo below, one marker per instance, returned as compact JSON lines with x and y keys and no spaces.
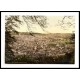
{"x":57,"y":48}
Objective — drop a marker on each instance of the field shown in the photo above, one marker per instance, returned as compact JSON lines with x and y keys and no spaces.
{"x":39,"y":48}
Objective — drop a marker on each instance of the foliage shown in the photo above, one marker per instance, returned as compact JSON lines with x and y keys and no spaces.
{"x":10,"y":23}
{"x":13,"y":21}
{"x":67,"y":22}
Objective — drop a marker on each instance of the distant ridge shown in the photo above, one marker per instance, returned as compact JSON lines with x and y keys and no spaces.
{"x":27,"y":33}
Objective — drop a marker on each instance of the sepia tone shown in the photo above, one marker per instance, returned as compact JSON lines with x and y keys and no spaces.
{"x":39,"y":39}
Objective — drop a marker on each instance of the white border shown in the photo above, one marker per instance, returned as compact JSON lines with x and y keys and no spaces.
{"x":42,"y":13}
{"x":76,"y":65}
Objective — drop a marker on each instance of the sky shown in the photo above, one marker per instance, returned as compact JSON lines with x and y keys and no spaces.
{"x":52,"y":26}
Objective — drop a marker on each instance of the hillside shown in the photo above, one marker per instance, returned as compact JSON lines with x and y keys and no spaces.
{"x":55,"y":48}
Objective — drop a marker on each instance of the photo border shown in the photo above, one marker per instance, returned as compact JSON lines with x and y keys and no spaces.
{"x":36,"y":67}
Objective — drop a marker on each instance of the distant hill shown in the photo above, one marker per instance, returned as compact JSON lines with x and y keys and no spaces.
{"x":26,"y":33}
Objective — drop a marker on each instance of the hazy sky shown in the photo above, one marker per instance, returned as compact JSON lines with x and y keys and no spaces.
{"x":53,"y":26}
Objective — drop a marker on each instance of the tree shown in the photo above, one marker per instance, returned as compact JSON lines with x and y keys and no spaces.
{"x":13,"y":21}
{"x":10,"y":21}
{"x":67,"y":22}
{"x":40,"y":20}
